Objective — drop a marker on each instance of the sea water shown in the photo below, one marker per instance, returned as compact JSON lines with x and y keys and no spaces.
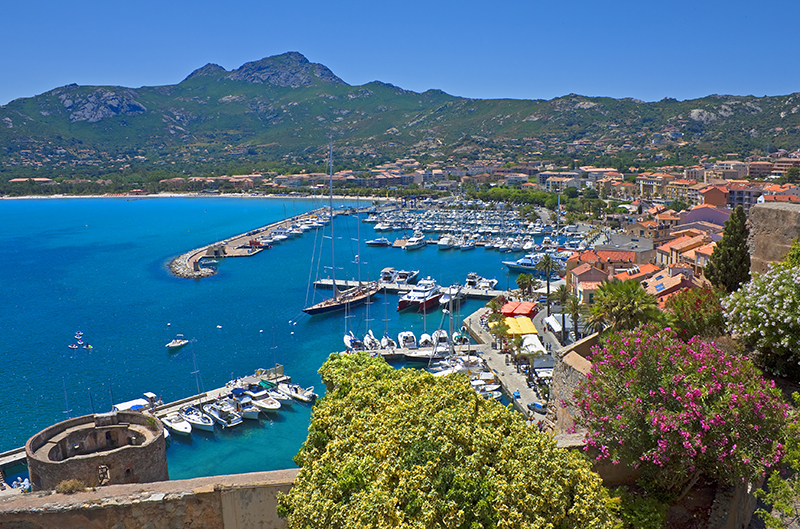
{"x":100,"y":266}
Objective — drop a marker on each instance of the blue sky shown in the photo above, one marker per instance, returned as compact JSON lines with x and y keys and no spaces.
{"x":507,"y":49}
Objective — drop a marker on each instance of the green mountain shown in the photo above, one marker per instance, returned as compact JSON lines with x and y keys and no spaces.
{"x":285,"y":108}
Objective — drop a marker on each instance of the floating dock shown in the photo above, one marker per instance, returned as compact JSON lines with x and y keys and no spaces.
{"x":397,"y":288}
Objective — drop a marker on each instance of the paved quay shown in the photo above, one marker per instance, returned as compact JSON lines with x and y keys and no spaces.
{"x":501,"y":364}
{"x":188,"y":264}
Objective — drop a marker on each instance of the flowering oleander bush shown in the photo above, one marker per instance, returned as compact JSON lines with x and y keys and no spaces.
{"x":696,"y":312}
{"x":402,"y":448}
{"x":765,"y":314}
{"x":679,"y":411}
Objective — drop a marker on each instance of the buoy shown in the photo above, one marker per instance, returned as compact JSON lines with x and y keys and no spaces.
{"x":168,"y":324}
{"x":219,"y":326}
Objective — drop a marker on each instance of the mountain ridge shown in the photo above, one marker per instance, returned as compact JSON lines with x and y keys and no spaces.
{"x":294,"y":107}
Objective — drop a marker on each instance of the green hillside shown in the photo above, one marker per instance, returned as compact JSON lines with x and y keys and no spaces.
{"x":284,"y":109}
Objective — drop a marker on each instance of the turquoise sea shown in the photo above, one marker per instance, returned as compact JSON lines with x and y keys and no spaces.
{"x":100,"y":266}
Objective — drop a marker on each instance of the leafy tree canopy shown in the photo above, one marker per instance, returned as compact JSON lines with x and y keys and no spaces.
{"x":696,"y":312}
{"x":621,"y":305}
{"x":401,"y":448}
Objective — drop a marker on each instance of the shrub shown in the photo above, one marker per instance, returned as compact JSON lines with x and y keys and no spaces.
{"x":765,"y":314}
{"x":679,"y":411}
{"x":70,"y":486}
{"x":696,"y":312}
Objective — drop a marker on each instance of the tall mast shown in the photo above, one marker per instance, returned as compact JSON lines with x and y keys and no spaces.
{"x":330,"y":204}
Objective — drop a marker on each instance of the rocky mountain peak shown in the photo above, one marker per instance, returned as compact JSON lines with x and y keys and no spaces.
{"x":209,"y":70}
{"x":290,"y":70}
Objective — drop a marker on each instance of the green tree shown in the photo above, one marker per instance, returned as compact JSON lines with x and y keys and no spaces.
{"x":792,"y":175}
{"x":575,"y":309}
{"x":401,"y":448}
{"x":678,"y":205}
{"x":524,"y":282}
{"x":679,"y":411}
{"x":622,"y":305}
{"x":547,"y":265}
{"x":561,"y":295}
{"x":729,"y":264}
{"x":571,"y":192}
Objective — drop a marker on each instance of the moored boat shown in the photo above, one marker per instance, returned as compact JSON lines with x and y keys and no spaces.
{"x":298,"y":392}
{"x":223,"y":413}
{"x":198,"y":419}
{"x":177,"y":424}
{"x":380,"y":241}
{"x":423,"y":297}
{"x":407,"y":340}
{"x":406,"y":277}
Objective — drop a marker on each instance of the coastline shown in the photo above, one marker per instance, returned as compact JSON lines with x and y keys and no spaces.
{"x":195,"y":195}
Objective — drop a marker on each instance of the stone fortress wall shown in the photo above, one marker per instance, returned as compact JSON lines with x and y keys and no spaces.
{"x":105,"y":448}
{"x":773,"y":227}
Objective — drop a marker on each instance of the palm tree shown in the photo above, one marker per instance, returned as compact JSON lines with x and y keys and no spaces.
{"x":575,"y":309}
{"x":524,"y":282}
{"x":548,"y":265}
{"x":622,"y":305}
{"x":561,"y":295}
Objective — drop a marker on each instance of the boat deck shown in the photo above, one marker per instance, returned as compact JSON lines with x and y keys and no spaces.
{"x":397,"y":288}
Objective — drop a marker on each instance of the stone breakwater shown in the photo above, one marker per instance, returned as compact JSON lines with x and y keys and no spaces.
{"x":188,"y":264}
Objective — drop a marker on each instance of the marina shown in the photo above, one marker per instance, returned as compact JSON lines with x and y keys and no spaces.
{"x":235,"y":320}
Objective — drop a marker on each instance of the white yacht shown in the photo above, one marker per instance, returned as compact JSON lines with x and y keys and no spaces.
{"x":176,"y":424}
{"x":179,"y":341}
{"x":415,"y":242}
{"x":197,"y":418}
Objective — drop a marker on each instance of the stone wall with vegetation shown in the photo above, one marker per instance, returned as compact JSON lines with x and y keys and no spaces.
{"x":773,"y":227}
{"x":240,"y":501}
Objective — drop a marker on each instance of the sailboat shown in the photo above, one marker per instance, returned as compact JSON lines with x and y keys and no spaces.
{"x":353,"y":296}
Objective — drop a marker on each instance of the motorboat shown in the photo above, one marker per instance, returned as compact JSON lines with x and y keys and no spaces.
{"x":388,"y":275}
{"x":179,"y":341}
{"x":73,"y":346}
{"x":524,"y":264}
{"x":380,"y":241}
{"x":469,"y":244}
{"x":266,"y":388}
{"x":487,"y":284}
{"x":452,"y":297}
{"x":222,"y":413}
{"x":445,"y":242}
{"x":407,"y":340}
{"x":198,"y":419}
{"x":243,"y":404}
{"x":177,"y":424}
{"x":298,"y":392}
{"x":425,"y":340}
{"x":415,"y":242}
{"x":423,"y":297}
{"x":426,"y":355}
{"x":440,"y":338}
{"x":406,"y":277}
{"x":387,"y":342}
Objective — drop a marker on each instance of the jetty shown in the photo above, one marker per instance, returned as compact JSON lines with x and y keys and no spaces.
{"x":398,"y":288}
{"x":188,"y":264}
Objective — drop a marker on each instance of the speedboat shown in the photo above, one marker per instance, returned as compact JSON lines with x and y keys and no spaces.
{"x":197,"y":418}
{"x":425,"y":340}
{"x":380,"y":241}
{"x":223,"y":413}
{"x":469,"y":244}
{"x":298,"y":392}
{"x":388,"y":275}
{"x":487,"y":284}
{"x":422,"y":297}
{"x":176,"y":424}
{"x":179,"y":341}
{"x":73,"y":346}
{"x":407,"y":340}
{"x":259,"y":397}
{"x":445,"y":242}
{"x":406,"y":277}
{"x":440,"y":338}
{"x":414,"y":243}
